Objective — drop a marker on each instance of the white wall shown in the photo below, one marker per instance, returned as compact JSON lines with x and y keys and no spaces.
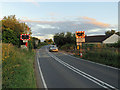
{"x":112,"y":39}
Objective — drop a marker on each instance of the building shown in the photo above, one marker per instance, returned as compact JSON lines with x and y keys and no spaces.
{"x":102,"y":39}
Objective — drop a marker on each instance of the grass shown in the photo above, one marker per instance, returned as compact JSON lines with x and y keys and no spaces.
{"x":97,"y":53}
{"x":17,"y":67}
{"x":103,"y":55}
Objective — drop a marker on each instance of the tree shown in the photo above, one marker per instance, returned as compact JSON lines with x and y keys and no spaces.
{"x":110,"y":32}
{"x":35,"y":42}
{"x":8,"y":36}
{"x":61,"y":38}
{"x":118,"y":33}
{"x":48,"y":41}
{"x":12,"y":27}
{"x":70,"y":38}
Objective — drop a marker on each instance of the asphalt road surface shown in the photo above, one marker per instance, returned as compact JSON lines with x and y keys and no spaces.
{"x":59,"y":70}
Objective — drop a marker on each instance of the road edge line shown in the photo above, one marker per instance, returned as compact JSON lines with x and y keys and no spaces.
{"x":83,"y":73}
{"x":41,"y":74}
{"x":93,"y":62}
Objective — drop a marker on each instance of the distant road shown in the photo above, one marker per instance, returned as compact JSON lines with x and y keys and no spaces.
{"x":58,"y":70}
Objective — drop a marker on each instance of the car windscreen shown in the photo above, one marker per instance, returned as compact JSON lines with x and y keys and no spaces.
{"x":53,"y":47}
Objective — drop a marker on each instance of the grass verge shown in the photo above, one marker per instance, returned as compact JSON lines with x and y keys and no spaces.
{"x":17,"y":67}
{"x":96,"y":53}
{"x":103,"y":56}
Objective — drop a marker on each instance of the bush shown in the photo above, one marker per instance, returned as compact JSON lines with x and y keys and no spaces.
{"x":9,"y":36}
{"x":17,"y":71}
{"x":88,"y":45}
{"x":67,"y":47}
{"x":104,"y":56}
{"x":30,"y":45}
{"x":116,"y":45}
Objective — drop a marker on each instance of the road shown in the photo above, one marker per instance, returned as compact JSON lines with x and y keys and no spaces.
{"x":59,"y":70}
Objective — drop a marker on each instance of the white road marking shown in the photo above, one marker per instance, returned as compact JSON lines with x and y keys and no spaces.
{"x":43,"y":80}
{"x":91,"y":78}
{"x":93,"y":62}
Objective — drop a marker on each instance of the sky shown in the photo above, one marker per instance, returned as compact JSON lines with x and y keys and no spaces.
{"x":47,"y":18}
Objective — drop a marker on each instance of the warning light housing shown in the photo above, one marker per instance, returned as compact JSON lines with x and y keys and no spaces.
{"x":80,"y":34}
{"x":25,"y":37}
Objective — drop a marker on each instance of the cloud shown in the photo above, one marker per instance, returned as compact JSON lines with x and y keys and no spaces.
{"x":94,"y":30}
{"x":34,"y":21}
{"x":95,"y":22}
{"x":33,"y":1}
{"x":47,"y":36}
{"x":46,"y":29}
{"x":46,"y":26}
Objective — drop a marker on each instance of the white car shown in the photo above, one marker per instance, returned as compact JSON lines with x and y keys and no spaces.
{"x":53,"y":48}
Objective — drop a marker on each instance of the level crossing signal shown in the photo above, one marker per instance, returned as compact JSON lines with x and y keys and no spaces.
{"x":80,"y":34}
{"x":25,"y":37}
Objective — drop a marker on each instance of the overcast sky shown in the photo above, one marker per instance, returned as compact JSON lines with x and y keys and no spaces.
{"x":48,"y":18}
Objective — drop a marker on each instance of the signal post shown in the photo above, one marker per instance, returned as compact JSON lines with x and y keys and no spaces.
{"x":80,"y":38}
{"x":24,"y":38}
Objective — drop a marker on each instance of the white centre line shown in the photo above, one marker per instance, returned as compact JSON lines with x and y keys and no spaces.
{"x":92,"y":62}
{"x":91,"y":78}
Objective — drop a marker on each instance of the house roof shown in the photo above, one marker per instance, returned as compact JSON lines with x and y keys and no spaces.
{"x":96,"y":38}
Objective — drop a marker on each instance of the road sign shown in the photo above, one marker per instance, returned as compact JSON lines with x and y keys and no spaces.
{"x":80,"y":40}
{"x":79,"y":43}
{"x":80,"y":36}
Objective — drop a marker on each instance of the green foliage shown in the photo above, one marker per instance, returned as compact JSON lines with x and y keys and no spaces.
{"x":70,"y":38}
{"x":68,"y":47}
{"x":110,"y":32}
{"x":9,"y":36}
{"x":104,"y":56}
{"x":118,"y":33}
{"x":116,"y":45}
{"x":88,"y":45}
{"x":30,"y":45}
{"x":17,"y":67}
{"x":12,"y":23}
{"x":34,"y":43}
{"x":0,"y":30}
{"x":12,"y":28}
{"x":48,"y":41}
{"x":61,"y":38}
